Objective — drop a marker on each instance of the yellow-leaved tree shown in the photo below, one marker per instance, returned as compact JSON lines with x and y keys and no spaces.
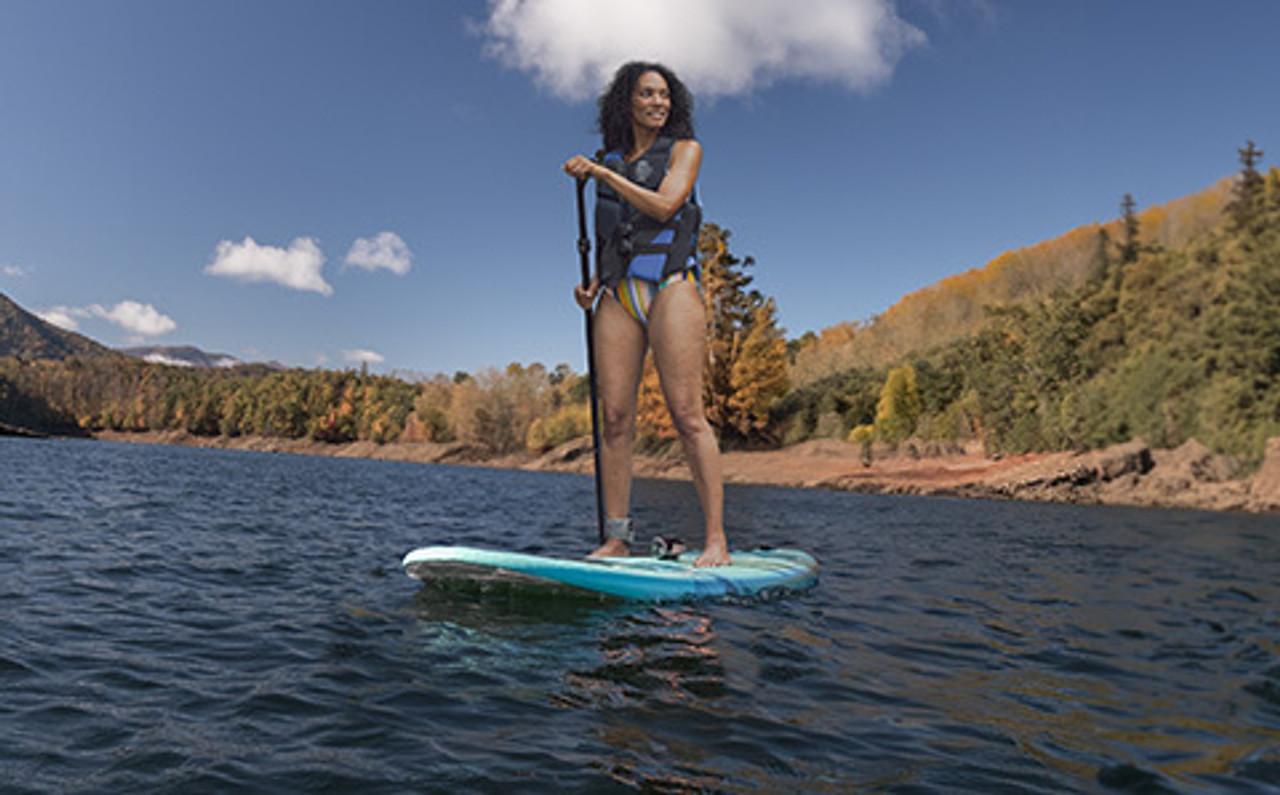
{"x":746,"y":370}
{"x":900,"y":405}
{"x":758,"y":377}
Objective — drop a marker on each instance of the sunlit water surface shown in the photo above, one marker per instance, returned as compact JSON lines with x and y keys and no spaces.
{"x":192,"y":620}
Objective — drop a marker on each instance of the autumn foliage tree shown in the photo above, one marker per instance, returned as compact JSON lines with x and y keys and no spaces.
{"x":758,"y":376}
{"x":900,"y":404}
{"x":747,"y":363}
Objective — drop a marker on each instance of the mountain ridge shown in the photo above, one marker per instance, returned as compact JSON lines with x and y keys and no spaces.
{"x":27,"y":336}
{"x":181,"y":356}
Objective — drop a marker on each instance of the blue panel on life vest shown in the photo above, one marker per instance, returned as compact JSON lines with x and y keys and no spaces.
{"x":664,"y":238}
{"x":647,"y":266}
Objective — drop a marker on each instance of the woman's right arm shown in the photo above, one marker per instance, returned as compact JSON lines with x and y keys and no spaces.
{"x":660,"y":204}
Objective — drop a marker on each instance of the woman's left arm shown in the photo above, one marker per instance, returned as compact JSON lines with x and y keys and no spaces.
{"x":660,"y":204}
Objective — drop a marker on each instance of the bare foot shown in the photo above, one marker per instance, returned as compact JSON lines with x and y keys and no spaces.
{"x":714,"y":555}
{"x":613,"y":548}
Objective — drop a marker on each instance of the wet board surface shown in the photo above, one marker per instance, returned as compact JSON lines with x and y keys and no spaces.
{"x":644,"y":579}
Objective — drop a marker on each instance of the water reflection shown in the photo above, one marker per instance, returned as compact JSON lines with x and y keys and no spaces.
{"x":665,"y":655}
{"x":626,"y":653}
{"x":638,"y":675}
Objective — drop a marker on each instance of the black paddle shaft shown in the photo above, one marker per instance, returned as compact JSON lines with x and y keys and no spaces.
{"x":584,"y":254}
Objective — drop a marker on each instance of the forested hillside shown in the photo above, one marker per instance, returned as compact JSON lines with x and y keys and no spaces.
{"x":954,"y":307}
{"x":1165,"y":338}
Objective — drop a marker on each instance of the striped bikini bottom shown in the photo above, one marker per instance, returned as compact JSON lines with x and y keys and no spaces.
{"x":636,"y":295}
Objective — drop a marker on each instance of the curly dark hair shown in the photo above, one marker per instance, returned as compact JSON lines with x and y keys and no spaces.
{"x":615,"y":106}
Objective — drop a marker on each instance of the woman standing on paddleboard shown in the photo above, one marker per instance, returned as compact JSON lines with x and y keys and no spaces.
{"x":646,"y":290}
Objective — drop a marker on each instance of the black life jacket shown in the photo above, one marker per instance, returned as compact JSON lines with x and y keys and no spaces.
{"x":628,"y":242}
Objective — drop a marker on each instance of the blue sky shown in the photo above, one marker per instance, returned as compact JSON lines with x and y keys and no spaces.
{"x":322,"y":183}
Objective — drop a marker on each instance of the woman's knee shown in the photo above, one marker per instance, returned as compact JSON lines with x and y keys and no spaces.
{"x":690,"y":421}
{"x":618,"y":421}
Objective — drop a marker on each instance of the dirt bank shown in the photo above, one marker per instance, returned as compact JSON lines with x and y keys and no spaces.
{"x":1128,"y":474}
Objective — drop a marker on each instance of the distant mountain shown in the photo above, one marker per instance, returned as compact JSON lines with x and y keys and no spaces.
{"x":181,"y":356}
{"x":27,"y":336}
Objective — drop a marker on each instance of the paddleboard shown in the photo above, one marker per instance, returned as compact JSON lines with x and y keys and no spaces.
{"x":631,"y":578}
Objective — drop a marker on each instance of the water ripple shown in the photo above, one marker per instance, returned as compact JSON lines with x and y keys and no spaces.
{"x":185,"y":621}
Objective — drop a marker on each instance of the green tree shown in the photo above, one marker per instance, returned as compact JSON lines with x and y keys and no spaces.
{"x":1248,"y":192}
{"x":1102,"y":256}
{"x":1129,"y":245}
{"x":900,"y":405}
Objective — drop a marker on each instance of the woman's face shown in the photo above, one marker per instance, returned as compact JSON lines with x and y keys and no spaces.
{"x":651,"y":101}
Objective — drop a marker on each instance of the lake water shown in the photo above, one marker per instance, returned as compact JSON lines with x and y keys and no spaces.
{"x":180,"y":620}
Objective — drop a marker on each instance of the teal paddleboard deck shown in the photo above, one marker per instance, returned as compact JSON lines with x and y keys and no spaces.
{"x":635,"y":578}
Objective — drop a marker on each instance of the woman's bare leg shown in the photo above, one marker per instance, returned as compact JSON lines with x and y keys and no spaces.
{"x":677,"y":332}
{"x":621,"y":342}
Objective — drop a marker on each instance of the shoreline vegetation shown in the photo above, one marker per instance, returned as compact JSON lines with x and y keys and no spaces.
{"x":1130,"y":474}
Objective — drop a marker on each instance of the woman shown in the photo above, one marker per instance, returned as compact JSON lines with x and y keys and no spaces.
{"x":647,"y":285}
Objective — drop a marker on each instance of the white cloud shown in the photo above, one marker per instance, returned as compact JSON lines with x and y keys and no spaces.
{"x":358,"y":356}
{"x":718,"y":47}
{"x":160,"y":358}
{"x":142,"y":320}
{"x":384,"y":250}
{"x":64,"y":317}
{"x":13,"y":270}
{"x":297,"y":267}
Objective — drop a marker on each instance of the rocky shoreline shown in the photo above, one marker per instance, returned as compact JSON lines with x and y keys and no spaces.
{"x":1190,"y":477}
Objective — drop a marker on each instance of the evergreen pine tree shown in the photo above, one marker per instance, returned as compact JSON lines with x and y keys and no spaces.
{"x":1129,"y":245}
{"x":1247,"y":193}
{"x":1102,"y":256}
